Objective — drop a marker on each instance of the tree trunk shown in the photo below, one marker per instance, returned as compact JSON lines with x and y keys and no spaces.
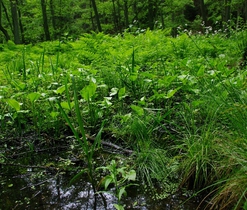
{"x":20,"y":22}
{"x":15,"y":21}
{"x":227,"y":10}
{"x":45,"y":21}
{"x":174,"y":31}
{"x":201,"y":10}
{"x":5,"y":32}
{"x":96,"y":15}
{"x":126,"y":13}
{"x":136,"y":14}
{"x":245,"y":11}
{"x":53,"y":21}
{"x":7,"y":17}
{"x":114,"y":14}
{"x":151,"y":14}
{"x":119,"y":16}
{"x":162,"y":18}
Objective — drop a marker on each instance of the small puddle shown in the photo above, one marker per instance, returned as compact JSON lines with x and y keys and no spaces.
{"x":38,"y":190}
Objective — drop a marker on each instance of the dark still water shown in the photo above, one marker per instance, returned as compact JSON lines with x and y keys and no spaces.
{"x":38,"y":189}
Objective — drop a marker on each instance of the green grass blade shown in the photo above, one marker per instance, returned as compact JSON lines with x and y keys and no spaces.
{"x":78,"y":113}
{"x":70,"y":125}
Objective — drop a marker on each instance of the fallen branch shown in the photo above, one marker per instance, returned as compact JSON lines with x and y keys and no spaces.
{"x":109,"y":144}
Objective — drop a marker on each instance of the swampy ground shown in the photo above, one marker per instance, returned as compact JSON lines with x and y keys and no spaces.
{"x":133,"y":121}
{"x":41,"y":181}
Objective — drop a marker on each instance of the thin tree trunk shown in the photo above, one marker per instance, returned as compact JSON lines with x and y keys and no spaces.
{"x":136,"y":13}
{"x":240,"y":8}
{"x":53,"y":21}
{"x":245,"y":11}
{"x":119,"y":16}
{"x":45,"y":21}
{"x":5,"y":32}
{"x":7,"y":17}
{"x":227,"y":10}
{"x":96,"y":15}
{"x":114,"y":14}
{"x":174,"y":31}
{"x":151,"y":14}
{"x":15,"y":21}
{"x":20,"y":22}
{"x":203,"y":11}
{"x":126,"y":13}
{"x":162,"y":20}
{"x":91,"y":17}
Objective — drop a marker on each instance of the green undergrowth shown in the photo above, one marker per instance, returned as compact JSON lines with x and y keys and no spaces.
{"x":178,"y":103}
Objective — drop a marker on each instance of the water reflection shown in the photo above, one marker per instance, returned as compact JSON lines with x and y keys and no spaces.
{"x":48,"y":192}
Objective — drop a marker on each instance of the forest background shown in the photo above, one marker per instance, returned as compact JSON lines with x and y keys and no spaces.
{"x":31,"y":21}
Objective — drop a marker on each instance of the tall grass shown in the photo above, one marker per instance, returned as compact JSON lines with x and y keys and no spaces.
{"x":215,"y":145}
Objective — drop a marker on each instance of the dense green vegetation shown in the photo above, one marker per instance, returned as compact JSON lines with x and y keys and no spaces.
{"x":177,"y":104}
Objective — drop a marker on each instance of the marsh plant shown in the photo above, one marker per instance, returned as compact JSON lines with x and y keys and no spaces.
{"x":80,"y":135}
{"x":119,"y":178}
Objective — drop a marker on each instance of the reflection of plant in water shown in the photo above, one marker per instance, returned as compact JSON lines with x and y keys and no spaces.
{"x":119,"y":177}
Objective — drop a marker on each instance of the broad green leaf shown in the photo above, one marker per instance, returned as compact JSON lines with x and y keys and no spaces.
{"x":33,"y":96}
{"x":67,"y":105}
{"x":108,"y":180}
{"x":131,"y":175}
{"x":60,"y":90}
{"x":18,"y":84}
{"x":113,"y":91}
{"x":14,"y":104}
{"x":88,"y":92}
{"x":133,"y":76}
{"x":107,"y":103}
{"x":122,"y":170}
{"x":21,"y":85}
{"x":121,"y":192}
{"x":118,"y":207}
{"x":139,"y":110}
{"x":54,"y":114}
{"x":224,"y":94}
{"x":167,"y":80}
{"x":197,"y":103}
{"x":113,"y":163}
{"x":121,"y":93}
{"x":200,"y":72}
{"x":245,"y":205}
{"x":171,"y":93}
{"x":183,"y":78}
{"x":142,"y":101}
{"x":125,"y":118}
